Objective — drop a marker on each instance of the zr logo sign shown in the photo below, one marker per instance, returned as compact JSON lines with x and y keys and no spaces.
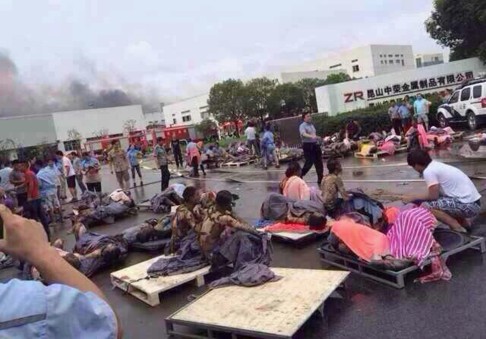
{"x":350,"y":97}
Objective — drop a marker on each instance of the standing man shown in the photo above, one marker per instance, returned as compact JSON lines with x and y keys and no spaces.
{"x":421,"y":107}
{"x":47,"y":177}
{"x":17,"y":179}
{"x":70,"y":174}
{"x":91,"y":171}
{"x":395,"y":117}
{"x":162,"y":162}
{"x":176,"y":150}
{"x":451,"y":196}
{"x":78,"y":170}
{"x":405,"y":115}
{"x":119,"y":164}
{"x":312,"y":150}
{"x":133,"y":156}
{"x":251,"y":138}
{"x":34,"y":204}
{"x":5,"y":177}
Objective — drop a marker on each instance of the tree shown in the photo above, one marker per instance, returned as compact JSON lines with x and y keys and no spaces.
{"x":226,"y":101}
{"x":207,"y":128}
{"x":101,"y":133}
{"x":256,"y":96}
{"x":129,"y":125}
{"x":308,"y":87}
{"x":337,"y":78}
{"x":461,"y":26}
{"x":286,"y":100}
{"x":73,"y":134}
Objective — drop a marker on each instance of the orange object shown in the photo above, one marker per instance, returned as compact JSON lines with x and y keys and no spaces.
{"x":361,"y":240}
{"x":391,"y":214}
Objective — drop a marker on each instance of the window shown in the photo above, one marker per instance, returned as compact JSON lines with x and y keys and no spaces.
{"x":466,"y":94}
{"x":397,"y":55}
{"x":184,"y":112}
{"x":390,"y":55}
{"x":186,"y":118}
{"x":403,"y":63}
{"x":390,"y":61}
{"x":401,"y":55}
{"x":382,"y":62}
{"x":174,"y":121}
{"x":454,"y":98}
{"x":72,"y":145}
{"x":355,"y":60}
{"x":397,"y":61}
{"x":205,"y":115}
{"x":356,"y":68}
{"x":381,"y":56}
{"x":477,"y":92}
{"x":335,"y":66}
{"x":436,"y":59}
{"x":386,"y":62}
{"x":173,"y":114}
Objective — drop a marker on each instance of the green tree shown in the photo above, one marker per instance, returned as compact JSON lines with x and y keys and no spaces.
{"x":336,"y":78}
{"x":73,"y":134}
{"x":257,"y":95}
{"x":227,"y":101}
{"x":308,"y":87}
{"x":207,"y":127}
{"x":286,"y":100}
{"x":461,"y":26}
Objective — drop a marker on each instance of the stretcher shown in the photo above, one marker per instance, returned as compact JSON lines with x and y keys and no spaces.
{"x":272,"y":310}
{"x":134,"y":281}
{"x":392,"y":278}
{"x":376,"y":155}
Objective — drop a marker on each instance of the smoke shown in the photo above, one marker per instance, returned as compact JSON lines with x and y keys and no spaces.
{"x":18,"y":98}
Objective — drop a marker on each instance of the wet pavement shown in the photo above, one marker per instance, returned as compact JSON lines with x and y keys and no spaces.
{"x":454,"y":309}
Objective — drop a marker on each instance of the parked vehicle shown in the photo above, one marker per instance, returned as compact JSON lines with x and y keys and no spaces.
{"x":466,"y":104}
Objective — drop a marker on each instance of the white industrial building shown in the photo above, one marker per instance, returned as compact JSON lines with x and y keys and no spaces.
{"x":350,"y":95}
{"x":430,"y":59}
{"x":57,"y":128}
{"x":289,"y":77}
{"x":366,"y":61}
{"x":188,"y":111}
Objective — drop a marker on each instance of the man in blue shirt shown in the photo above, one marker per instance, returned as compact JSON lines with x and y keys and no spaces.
{"x":421,"y":107}
{"x":70,"y":306}
{"x":404,"y":115}
{"x":312,"y":150}
{"x":48,"y":178}
{"x":133,"y":155}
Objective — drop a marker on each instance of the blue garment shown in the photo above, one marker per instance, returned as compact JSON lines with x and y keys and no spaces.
{"x":32,"y":310}
{"x":5,"y":179}
{"x":47,"y":177}
{"x":420,"y":106}
{"x":132,"y":156}
{"x":307,"y":128}
{"x":91,"y":162}
{"x":404,"y":112}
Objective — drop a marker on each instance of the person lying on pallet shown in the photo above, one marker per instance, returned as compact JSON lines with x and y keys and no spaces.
{"x":91,"y":252}
{"x":332,"y":186}
{"x":408,"y":241}
{"x":190,"y":214}
{"x":149,"y":230}
{"x":451,"y":196}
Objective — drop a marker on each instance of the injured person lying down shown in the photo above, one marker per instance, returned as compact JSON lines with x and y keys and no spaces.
{"x":408,"y":241}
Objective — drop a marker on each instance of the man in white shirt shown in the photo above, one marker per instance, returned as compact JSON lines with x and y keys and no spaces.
{"x":250,"y":133}
{"x":451,"y":196}
{"x":70,"y":174}
{"x":5,"y":176}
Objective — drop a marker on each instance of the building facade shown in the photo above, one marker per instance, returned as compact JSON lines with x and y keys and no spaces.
{"x":347,"y":96}
{"x":187,"y":112}
{"x":362,"y":62}
{"x":424,"y":60}
{"x":290,"y":77}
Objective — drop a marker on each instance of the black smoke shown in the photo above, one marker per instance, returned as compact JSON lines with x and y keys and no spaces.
{"x":18,"y":98}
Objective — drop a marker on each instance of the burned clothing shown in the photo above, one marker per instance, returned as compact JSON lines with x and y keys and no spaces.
{"x":215,"y":223}
{"x":185,"y":220}
{"x":332,"y":186}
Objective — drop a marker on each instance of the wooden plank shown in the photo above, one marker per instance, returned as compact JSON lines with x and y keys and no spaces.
{"x":274,"y":309}
{"x":131,"y":280}
{"x":370,"y":156}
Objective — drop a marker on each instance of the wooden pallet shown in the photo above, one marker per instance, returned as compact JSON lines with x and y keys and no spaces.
{"x":238,"y":163}
{"x":401,"y":149}
{"x":376,"y":155}
{"x":131,"y":280}
{"x":272,"y":310}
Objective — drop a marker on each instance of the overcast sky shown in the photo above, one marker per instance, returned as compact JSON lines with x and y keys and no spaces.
{"x":179,"y":48}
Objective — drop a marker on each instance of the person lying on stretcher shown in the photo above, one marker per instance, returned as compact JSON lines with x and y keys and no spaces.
{"x":408,"y":241}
